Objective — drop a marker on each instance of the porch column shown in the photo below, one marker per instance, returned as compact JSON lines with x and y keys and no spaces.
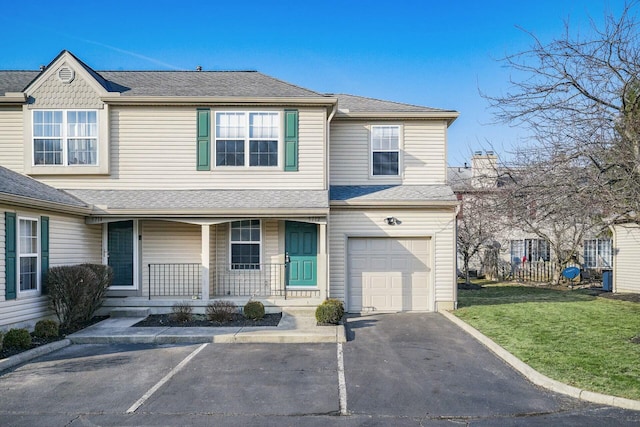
{"x":204,"y":241}
{"x":323,"y":265}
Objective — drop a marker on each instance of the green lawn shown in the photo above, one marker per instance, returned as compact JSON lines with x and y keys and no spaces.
{"x":570,"y":336}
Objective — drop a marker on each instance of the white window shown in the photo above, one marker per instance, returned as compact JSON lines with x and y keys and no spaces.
{"x":247,"y":139}
{"x":245,"y":245}
{"x":597,"y":253}
{"x":530,"y":250}
{"x":385,"y":150}
{"x":28,"y":254}
{"x":65,"y":137}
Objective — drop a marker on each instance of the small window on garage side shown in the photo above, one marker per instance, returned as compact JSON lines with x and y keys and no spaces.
{"x":385,"y":150}
{"x":245,"y":245}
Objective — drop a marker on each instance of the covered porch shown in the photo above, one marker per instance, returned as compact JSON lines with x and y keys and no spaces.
{"x":274,"y":254}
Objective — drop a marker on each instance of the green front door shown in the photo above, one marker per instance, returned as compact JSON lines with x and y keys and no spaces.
{"x":301,"y":244}
{"x":120,"y":250}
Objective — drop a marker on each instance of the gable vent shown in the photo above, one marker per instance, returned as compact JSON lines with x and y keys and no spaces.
{"x":66,"y":75}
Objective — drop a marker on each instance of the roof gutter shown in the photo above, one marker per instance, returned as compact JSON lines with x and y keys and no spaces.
{"x":386,"y":204}
{"x":449,"y":116}
{"x":28,"y":202}
{"x":211,"y":213}
{"x":218,"y":100}
{"x":18,"y":98}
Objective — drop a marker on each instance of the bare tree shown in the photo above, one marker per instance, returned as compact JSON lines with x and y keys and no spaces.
{"x":548,"y":199}
{"x":476,"y":227}
{"x":580,"y":96}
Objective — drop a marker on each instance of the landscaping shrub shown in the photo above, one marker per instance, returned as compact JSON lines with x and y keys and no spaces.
{"x":1,"y":338}
{"x":77,"y":291}
{"x":330,"y":312}
{"x":96,"y":290}
{"x":17,"y":338}
{"x":254,"y":310}
{"x":221,"y":311}
{"x":182,"y":312}
{"x":46,"y":329}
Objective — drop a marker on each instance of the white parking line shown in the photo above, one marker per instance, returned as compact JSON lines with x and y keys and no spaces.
{"x":166,"y":378}
{"x":342,"y":383}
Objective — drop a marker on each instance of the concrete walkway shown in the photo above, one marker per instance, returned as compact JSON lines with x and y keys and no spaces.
{"x":293,"y":328}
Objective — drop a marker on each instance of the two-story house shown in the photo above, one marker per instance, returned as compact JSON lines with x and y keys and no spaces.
{"x":207,"y":185}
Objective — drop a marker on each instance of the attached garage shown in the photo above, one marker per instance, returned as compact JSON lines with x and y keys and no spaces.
{"x":389,"y":274}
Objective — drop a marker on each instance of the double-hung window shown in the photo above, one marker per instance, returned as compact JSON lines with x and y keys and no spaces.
{"x":597,"y":253}
{"x":531,"y":249}
{"x":385,"y":150}
{"x":28,"y":254}
{"x":245,"y":245}
{"x":65,"y":137}
{"x":247,"y":138}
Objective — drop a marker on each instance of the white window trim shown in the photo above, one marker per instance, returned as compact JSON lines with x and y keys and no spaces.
{"x":231,"y":243}
{"x":19,"y":255}
{"x":596,"y":253}
{"x":136,"y":255}
{"x":400,"y":151}
{"x":280,"y":120}
{"x":65,"y":139}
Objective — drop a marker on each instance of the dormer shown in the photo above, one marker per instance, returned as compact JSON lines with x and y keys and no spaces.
{"x":66,"y":124}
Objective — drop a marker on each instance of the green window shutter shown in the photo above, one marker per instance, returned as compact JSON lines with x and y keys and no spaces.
{"x":44,"y":252}
{"x":204,"y":139}
{"x":10,"y":255}
{"x":290,"y":140}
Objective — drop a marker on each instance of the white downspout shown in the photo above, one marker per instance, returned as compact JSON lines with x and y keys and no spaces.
{"x":334,"y":109}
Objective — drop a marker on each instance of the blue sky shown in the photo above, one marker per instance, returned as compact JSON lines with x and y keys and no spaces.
{"x":433,"y":53}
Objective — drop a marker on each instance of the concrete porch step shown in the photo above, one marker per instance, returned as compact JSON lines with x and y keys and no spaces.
{"x":300,"y":311}
{"x":129,"y":312}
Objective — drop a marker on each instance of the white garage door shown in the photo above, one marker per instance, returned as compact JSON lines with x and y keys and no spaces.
{"x":388,"y":274}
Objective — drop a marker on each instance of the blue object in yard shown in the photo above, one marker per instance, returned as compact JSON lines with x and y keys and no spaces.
{"x":571,"y":272}
{"x":607,"y":276}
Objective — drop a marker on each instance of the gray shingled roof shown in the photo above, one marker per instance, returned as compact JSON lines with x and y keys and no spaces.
{"x":172,"y":200}
{"x":177,"y":83}
{"x":15,"y":184}
{"x":359,"y":104}
{"x":15,"y":81}
{"x":201,"y":83}
{"x":388,"y":193}
{"x":459,"y":177}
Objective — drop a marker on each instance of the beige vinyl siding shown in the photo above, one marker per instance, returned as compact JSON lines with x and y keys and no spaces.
{"x":626,"y":273}
{"x":425,"y":153}
{"x":71,"y":241}
{"x":3,"y":246}
{"x":220,"y":252}
{"x":12,"y":138}
{"x":438,"y":225}
{"x":23,"y":312}
{"x":423,"y":157}
{"x":155,"y":148}
{"x":166,"y":242}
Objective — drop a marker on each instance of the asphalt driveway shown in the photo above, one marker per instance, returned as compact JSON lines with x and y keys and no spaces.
{"x":399,"y":370}
{"x":423,"y":366}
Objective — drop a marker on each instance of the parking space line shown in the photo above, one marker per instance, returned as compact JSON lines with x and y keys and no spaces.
{"x":342,"y":383}
{"x":166,"y":378}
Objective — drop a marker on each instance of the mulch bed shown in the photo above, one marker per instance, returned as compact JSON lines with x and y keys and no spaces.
{"x":37,"y":342}
{"x":200,"y":320}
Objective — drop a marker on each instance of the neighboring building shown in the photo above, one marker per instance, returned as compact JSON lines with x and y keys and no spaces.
{"x":485,"y":177}
{"x":206,"y":185}
{"x":626,"y":269}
